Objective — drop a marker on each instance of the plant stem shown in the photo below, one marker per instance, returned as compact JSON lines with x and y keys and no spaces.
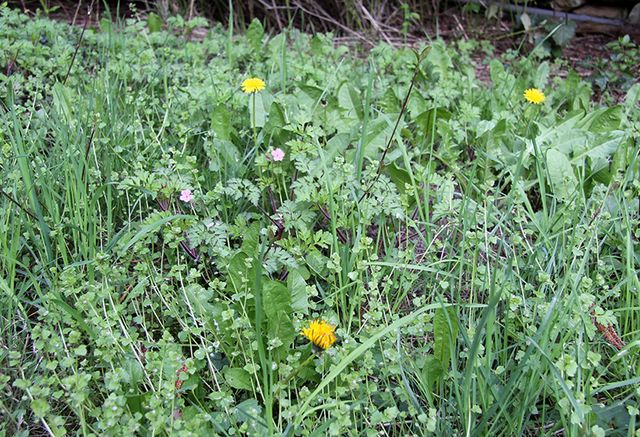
{"x":253,"y":120}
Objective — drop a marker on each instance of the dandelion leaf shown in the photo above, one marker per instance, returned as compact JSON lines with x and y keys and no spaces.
{"x":276,"y":297}
{"x":221,"y":123}
{"x":255,"y":34}
{"x":154,"y":22}
{"x":445,"y":331}
{"x":432,"y":370}
{"x":562,"y":178}
{"x":298,"y":290}
{"x":602,"y":120}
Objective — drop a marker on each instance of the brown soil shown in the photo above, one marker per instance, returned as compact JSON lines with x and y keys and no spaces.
{"x":588,"y":45}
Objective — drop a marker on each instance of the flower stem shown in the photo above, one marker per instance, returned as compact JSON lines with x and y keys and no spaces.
{"x":253,"y":120}
{"x":295,"y":372}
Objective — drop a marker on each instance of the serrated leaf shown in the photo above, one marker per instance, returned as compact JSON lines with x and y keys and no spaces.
{"x":255,"y":34}
{"x":440,"y":60}
{"x":542,"y":75}
{"x":154,"y":22}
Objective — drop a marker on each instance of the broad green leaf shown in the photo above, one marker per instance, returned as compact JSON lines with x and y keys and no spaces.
{"x":276,"y":297}
{"x":40,"y":407}
{"x":239,"y":273}
{"x":350,"y":101}
{"x":445,"y":331}
{"x":602,"y":120}
{"x":399,"y":176}
{"x":221,"y":123}
{"x":317,"y":262}
{"x":318,"y":45}
{"x":132,"y":372}
{"x":485,"y":126}
{"x":428,"y":121}
{"x":276,"y":116}
{"x":224,"y":153}
{"x":255,"y":34}
{"x":280,"y":326}
{"x":298,"y":291}
{"x":440,"y":60}
{"x":563,"y":35}
{"x":238,"y":378}
{"x":603,"y":149}
{"x":154,"y":22}
{"x":335,"y":146}
{"x":250,"y":412}
{"x":542,"y":75}
{"x":378,"y":135}
{"x":432,"y":370}
{"x":563,"y":180}
{"x":251,"y":239}
{"x":632,"y":97}
{"x":309,"y":95}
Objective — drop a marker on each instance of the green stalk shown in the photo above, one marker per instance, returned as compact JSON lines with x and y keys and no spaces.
{"x":265,"y":363}
{"x":253,"y":120}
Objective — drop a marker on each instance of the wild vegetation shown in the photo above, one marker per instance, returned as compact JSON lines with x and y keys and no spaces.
{"x":342,"y":245}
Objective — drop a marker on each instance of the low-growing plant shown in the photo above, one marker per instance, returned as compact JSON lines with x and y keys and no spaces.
{"x":275,"y":237}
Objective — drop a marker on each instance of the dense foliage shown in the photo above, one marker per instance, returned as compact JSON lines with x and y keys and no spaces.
{"x":166,"y":237}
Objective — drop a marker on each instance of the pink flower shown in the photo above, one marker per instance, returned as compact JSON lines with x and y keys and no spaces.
{"x":186,"y":196}
{"x":277,"y":154}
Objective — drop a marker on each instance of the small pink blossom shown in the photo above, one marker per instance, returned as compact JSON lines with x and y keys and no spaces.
{"x":277,"y":154}
{"x":186,"y":196}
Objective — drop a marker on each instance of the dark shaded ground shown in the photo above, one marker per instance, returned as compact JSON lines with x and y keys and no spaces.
{"x":584,"y":53}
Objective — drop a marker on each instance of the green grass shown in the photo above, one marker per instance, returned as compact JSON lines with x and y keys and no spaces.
{"x":477,"y":254}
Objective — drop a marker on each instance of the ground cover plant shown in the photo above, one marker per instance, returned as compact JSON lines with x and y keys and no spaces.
{"x":265,"y":234}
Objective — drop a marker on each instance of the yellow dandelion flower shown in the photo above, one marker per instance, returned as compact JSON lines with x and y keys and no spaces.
{"x":320,"y":333}
{"x":253,"y":85}
{"x":534,"y":95}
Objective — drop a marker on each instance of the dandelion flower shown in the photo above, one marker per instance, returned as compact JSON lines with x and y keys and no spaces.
{"x":253,"y":85}
{"x":534,"y":95}
{"x":320,"y":333}
{"x":186,"y":196}
{"x":277,"y":154}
